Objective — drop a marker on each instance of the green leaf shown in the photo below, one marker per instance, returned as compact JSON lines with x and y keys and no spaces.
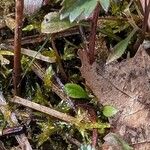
{"x":74,"y":9}
{"x":81,"y":9}
{"x":31,"y":27}
{"x":86,"y":147}
{"x":53,"y":24}
{"x":109,"y":111}
{"x":120,"y":48}
{"x":105,"y":4}
{"x":75,"y":91}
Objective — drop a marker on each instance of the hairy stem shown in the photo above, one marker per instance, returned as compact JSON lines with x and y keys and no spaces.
{"x":93,"y":34}
{"x":17,"y":46}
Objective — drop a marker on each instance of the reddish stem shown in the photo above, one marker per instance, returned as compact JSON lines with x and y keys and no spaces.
{"x":95,"y":132}
{"x":17,"y":45}
{"x":92,"y":117}
{"x":93,"y":34}
{"x":144,"y":26}
{"x":146,"y":15}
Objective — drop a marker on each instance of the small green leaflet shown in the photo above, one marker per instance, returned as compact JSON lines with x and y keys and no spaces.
{"x":120,"y":48}
{"x":75,"y":91}
{"x":109,"y":111}
{"x":81,"y":9}
{"x":53,"y":24}
{"x":105,"y":4}
{"x":31,"y":27}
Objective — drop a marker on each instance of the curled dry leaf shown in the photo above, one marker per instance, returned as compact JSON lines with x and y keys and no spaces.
{"x":125,"y":86}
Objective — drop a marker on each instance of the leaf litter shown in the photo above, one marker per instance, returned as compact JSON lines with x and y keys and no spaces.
{"x":125,"y":86}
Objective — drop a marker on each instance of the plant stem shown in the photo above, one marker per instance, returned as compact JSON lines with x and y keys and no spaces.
{"x":93,"y":34}
{"x":17,"y":46}
{"x":144,"y":26}
{"x":146,"y":15}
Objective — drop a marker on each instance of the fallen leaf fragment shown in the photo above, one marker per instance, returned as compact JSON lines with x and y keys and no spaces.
{"x":126,"y":87}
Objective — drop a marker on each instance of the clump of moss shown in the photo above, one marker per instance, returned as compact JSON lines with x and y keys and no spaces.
{"x":6,"y":7}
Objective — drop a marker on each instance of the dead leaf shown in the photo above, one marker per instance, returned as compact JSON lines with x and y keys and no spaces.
{"x":125,"y":86}
{"x":114,"y":142}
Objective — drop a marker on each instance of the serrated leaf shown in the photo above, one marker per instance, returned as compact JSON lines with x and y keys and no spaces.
{"x":109,"y":111}
{"x":120,"y":48}
{"x":74,"y":9}
{"x":105,"y":4}
{"x":75,"y":91}
{"x":81,"y":9}
{"x":53,"y":24}
{"x":86,"y":147}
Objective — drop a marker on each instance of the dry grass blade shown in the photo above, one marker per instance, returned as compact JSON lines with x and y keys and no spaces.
{"x":30,"y":53}
{"x":44,"y":109}
{"x":37,"y":55}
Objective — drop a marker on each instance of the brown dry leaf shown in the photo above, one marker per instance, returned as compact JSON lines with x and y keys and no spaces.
{"x":114,"y":142}
{"x":125,"y":86}
{"x":10,"y":22}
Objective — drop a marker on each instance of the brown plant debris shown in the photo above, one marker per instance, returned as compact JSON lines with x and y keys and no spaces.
{"x":124,"y":85}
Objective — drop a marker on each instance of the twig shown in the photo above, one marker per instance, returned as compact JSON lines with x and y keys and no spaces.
{"x":17,"y":46}
{"x":44,"y":109}
{"x":27,"y":40}
{"x":2,"y":146}
{"x":22,"y":139}
{"x":93,"y":34}
{"x":73,"y":141}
